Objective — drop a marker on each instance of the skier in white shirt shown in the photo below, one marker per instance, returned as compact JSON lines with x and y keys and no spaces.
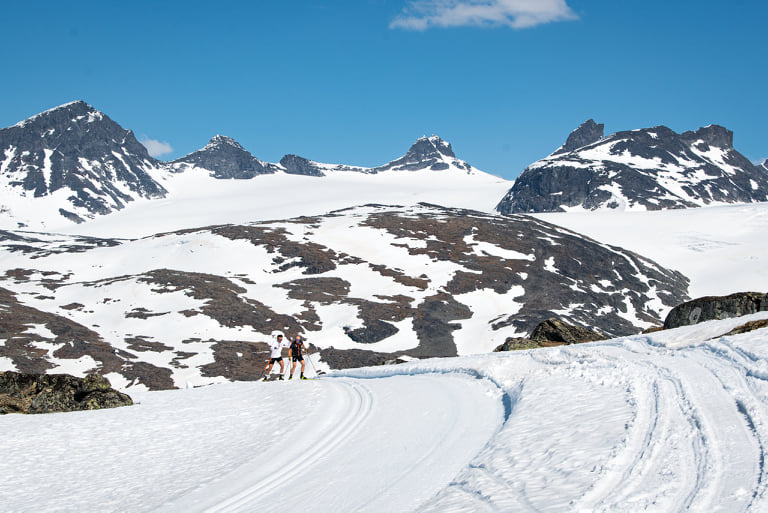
{"x":276,"y":355}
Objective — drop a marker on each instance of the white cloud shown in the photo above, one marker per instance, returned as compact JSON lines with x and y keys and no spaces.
{"x":156,"y":148}
{"x":516,"y":14}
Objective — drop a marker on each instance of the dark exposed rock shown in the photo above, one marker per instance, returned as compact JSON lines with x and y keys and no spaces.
{"x":716,"y":307}
{"x":426,"y":153}
{"x":296,"y":165}
{"x":552,"y":332}
{"x":587,"y":133}
{"x":374,"y":331}
{"x":49,"y":393}
{"x":352,"y":358}
{"x":555,"y":330}
{"x":633,"y":168}
{"x":225,"y":158}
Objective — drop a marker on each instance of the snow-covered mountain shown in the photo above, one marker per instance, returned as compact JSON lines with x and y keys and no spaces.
{"x":71,"y":161}
{"x":647,"y":169}
{"x":365,"y":285}
{"x":224,"y":158}
{"x":427,"y":153}
{"x":73,"y":164}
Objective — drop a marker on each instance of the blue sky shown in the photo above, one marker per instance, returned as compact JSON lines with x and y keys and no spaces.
{"x":358,"y":81}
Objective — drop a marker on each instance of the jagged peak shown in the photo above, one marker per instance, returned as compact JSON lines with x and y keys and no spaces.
{"x":429,"y":145}
{"x":714,"y":135}
{"x":218,"y":140}
{"x":587,"y":133}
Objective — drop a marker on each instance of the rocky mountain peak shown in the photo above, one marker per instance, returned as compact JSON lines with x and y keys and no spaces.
{"x":650,"y":168}
{"x":224,"y":158}
{"x":587,"y":133}
{"x":295,"y":165}
{"x":430,"y":147}
{"x":77,"y":148}
{"x":712,"y":135}
{"x":426,"y":153}
{"x":218,"y":142}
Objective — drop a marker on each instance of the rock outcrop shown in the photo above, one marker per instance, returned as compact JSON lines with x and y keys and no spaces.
{"x":49,"y":393}
{"x":716,"y":307}
{"x":551,"y":332}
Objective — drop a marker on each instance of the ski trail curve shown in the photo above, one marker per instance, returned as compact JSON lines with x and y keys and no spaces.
{"x":348,"y":456}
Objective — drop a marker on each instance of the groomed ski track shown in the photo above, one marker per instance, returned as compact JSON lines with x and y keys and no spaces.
{"x":672,"y":421}
{"x":372,"y":445}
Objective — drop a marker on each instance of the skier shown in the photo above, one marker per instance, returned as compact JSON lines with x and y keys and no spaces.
{"x":276,"y":346}
{"x":297,"y":354}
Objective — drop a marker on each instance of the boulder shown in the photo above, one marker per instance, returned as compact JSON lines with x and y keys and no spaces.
{"x":551,"y":332}
{"x":49,"y":393}
{"x":715,"y":307}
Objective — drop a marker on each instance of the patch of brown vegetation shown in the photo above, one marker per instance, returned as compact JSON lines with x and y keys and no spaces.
{"x":314,"y":258}
{"x":237,"y":360}
{"x":747,"y":327}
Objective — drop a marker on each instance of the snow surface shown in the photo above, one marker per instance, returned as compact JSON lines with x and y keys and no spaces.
{"x":672,"y":421}
{"x":722,"y":249}
{"x":195,"y":199}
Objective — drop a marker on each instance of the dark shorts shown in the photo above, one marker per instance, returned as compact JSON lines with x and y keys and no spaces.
{"x":297,"y":357}
{"x":275,"y":360}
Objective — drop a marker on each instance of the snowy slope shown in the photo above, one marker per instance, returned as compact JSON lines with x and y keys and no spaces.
{"x":721,"y":249}
{"x":674,"y":421}
{"x":195,"y":199}
{"x":365,"y":285}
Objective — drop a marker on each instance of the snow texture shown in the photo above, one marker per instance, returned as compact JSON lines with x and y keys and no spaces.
{"x":673,"y":421}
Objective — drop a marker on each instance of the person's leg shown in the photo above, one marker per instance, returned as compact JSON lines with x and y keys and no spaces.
{"x":293,"y":368}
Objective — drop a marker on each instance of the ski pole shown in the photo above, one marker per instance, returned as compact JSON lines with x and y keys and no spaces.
{"x":312,"y":363}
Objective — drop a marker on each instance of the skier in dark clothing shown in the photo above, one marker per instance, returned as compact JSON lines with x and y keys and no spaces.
{"x":297,"y":355}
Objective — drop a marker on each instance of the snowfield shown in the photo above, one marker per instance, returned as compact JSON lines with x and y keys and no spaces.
{"x":722,"y":249}
{"x":671,"y":421}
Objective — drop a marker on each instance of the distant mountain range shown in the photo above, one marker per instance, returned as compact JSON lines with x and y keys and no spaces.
{"x":647,"y":169}
{"x":76,"y":162}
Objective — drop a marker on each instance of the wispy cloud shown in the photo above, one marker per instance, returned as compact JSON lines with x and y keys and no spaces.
{"x":517,"y":14}
{"x":155,"y":148}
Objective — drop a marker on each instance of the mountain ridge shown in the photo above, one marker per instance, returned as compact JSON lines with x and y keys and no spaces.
{"x":644,"y":169}
{"x":74,"y":162}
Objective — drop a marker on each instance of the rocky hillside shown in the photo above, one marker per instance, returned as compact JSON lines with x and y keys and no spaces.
{"x":364,"y":285}
{"x":647,"y":169}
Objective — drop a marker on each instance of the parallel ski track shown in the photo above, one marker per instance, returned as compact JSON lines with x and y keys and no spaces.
{"x":641,"y":460}
{"x":356,"y":407}
{"x":677,"y":451}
